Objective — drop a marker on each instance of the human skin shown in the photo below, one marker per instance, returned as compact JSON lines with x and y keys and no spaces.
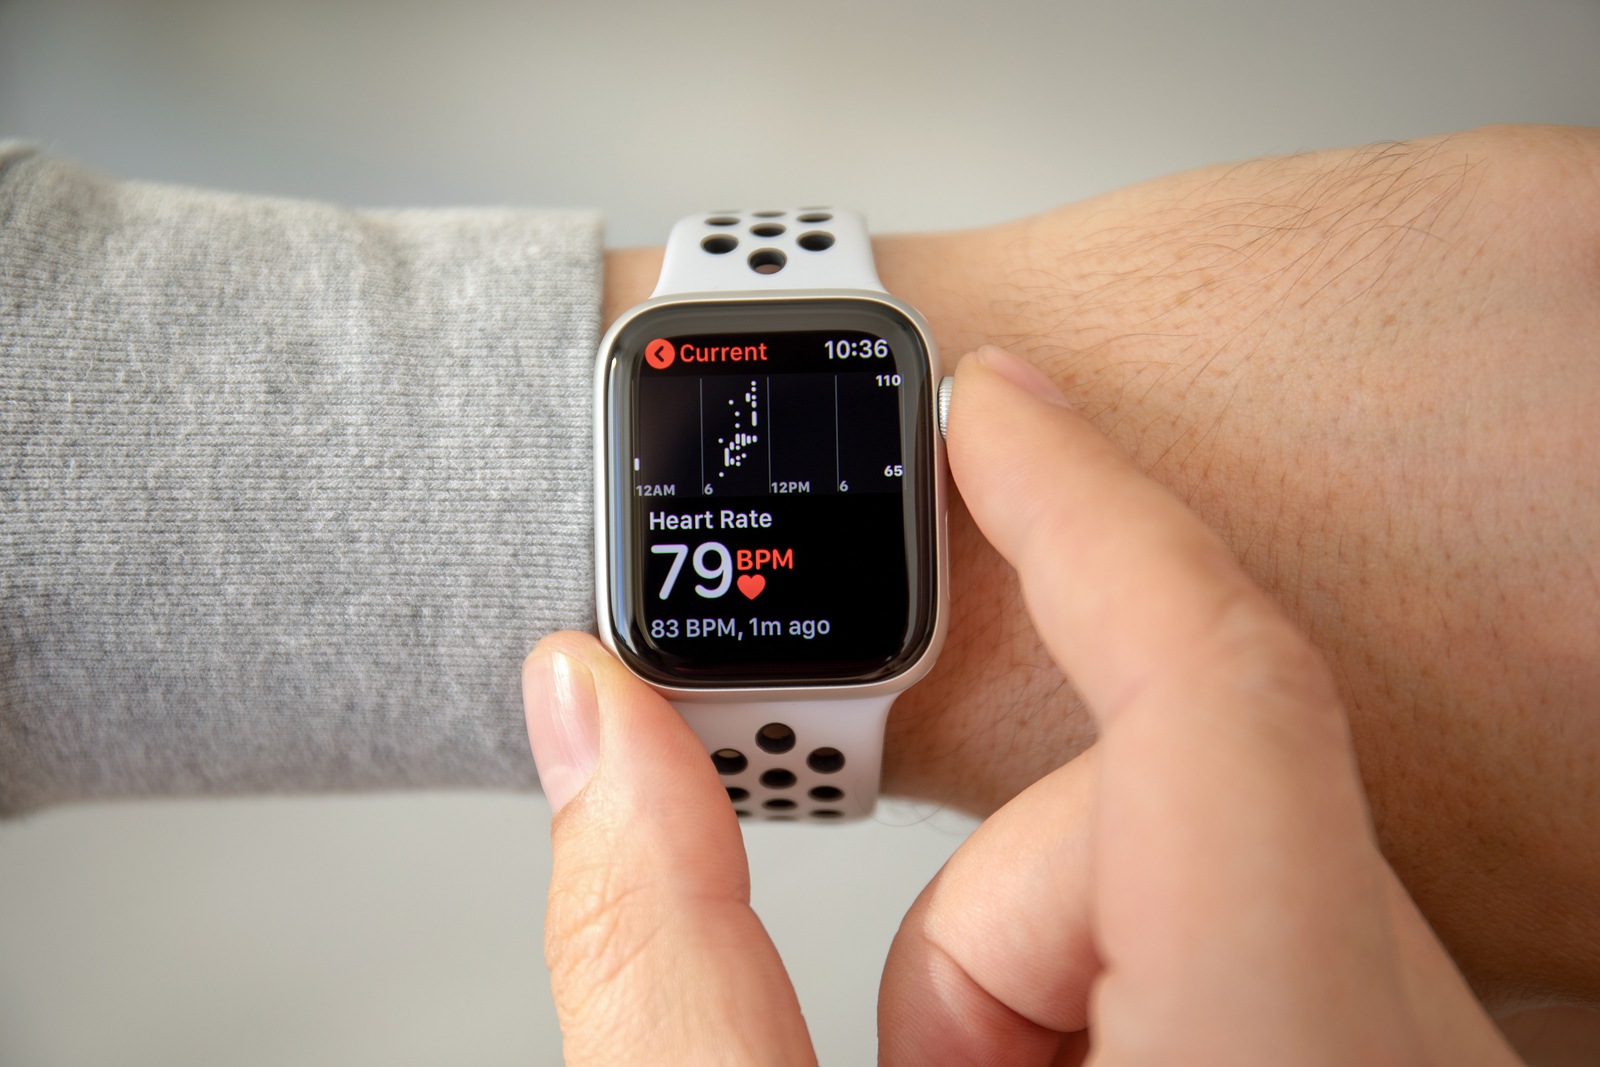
{"x":1373,"y":373}
{"x":1122,"y":908}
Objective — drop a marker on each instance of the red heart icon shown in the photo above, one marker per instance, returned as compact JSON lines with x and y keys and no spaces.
{"x":751,"y":585}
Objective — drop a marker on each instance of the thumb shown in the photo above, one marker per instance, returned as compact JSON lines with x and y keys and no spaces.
{"x":654,"y":953}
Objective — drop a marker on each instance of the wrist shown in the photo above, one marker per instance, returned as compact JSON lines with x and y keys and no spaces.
{"x":996,"y":714}
{"x":631,"y":275}
{"x":946,"y":740}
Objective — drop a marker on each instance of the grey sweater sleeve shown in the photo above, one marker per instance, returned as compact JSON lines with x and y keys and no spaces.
{"x":286,"y":490}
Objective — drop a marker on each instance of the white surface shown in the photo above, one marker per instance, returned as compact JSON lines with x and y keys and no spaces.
{"x":405,"y":930}
{"x":382,"y":930}
{"x":921,"y":115}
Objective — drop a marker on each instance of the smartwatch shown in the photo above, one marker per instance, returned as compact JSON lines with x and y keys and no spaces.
{"x":770,"y":513}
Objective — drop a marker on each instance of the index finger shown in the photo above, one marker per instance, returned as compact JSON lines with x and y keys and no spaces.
{"x":1229,"y":822}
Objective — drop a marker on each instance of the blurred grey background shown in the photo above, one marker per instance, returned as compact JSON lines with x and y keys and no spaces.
{"x":406,"y":929}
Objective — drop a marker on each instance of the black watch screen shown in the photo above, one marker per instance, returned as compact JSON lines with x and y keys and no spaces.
{"x":771,"y":505}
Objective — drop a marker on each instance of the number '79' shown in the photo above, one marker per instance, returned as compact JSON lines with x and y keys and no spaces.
{"x":721,"y":573}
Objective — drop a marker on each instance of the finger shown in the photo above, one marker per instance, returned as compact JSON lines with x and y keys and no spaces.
{"x":1128,"y":589}
{"x":1231,"y":842}
{"x":994,"y":961}
{"x":654,"y":953}
{"x":1457,"y":1029}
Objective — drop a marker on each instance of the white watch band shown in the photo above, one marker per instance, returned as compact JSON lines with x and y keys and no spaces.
{"x":791,"y":248}
{"x":783,"y":759}
{"x":813,"y":760}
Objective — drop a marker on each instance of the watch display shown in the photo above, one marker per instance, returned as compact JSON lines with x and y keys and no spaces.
{"x":771,"y":466}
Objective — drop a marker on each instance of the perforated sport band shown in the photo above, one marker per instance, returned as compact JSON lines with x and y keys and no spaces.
{"x":789,"y":248}
{"x":812,"y":760}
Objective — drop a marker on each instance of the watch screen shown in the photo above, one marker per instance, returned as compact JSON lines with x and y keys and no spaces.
{"x":771,"y":502}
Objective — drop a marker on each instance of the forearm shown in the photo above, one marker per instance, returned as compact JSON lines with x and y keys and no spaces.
{"x":1290,"y":345}
{"x":1372,"y":372}
{"x":289,"y":490}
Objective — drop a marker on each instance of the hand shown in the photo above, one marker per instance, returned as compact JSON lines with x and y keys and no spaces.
{"x":1205,"y":888}
{"x":1371,"y":371}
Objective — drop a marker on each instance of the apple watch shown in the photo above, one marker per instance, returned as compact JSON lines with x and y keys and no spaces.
{"x":770,"y":513}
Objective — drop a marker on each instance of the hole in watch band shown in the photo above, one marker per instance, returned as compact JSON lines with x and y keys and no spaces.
{"x":736,"y":794}
{"x":723,"y":220}
{"x":767,"y":229}
{"x":729,"y":760}
{"x":765,"y":260}
{"x":775,"y":737}
{"x":777,"y":778}
{"x":719,"y":244}
{"x":825,"y":760}
{"x":824,"y":792}
{"x":767,"y":214}
{"x":815,"y":241}
{"x":780,"y":804}
{"x":814,"y":216}
{"x":827,"y":813}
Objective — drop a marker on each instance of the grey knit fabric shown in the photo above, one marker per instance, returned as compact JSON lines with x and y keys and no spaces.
{"x":286,"y":491}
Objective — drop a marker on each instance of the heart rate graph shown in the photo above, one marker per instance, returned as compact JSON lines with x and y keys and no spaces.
{"x":732,"y":434}
{"x":765,"y":434}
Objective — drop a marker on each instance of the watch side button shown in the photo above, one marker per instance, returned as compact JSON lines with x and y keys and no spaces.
{"x":947,"y":385}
